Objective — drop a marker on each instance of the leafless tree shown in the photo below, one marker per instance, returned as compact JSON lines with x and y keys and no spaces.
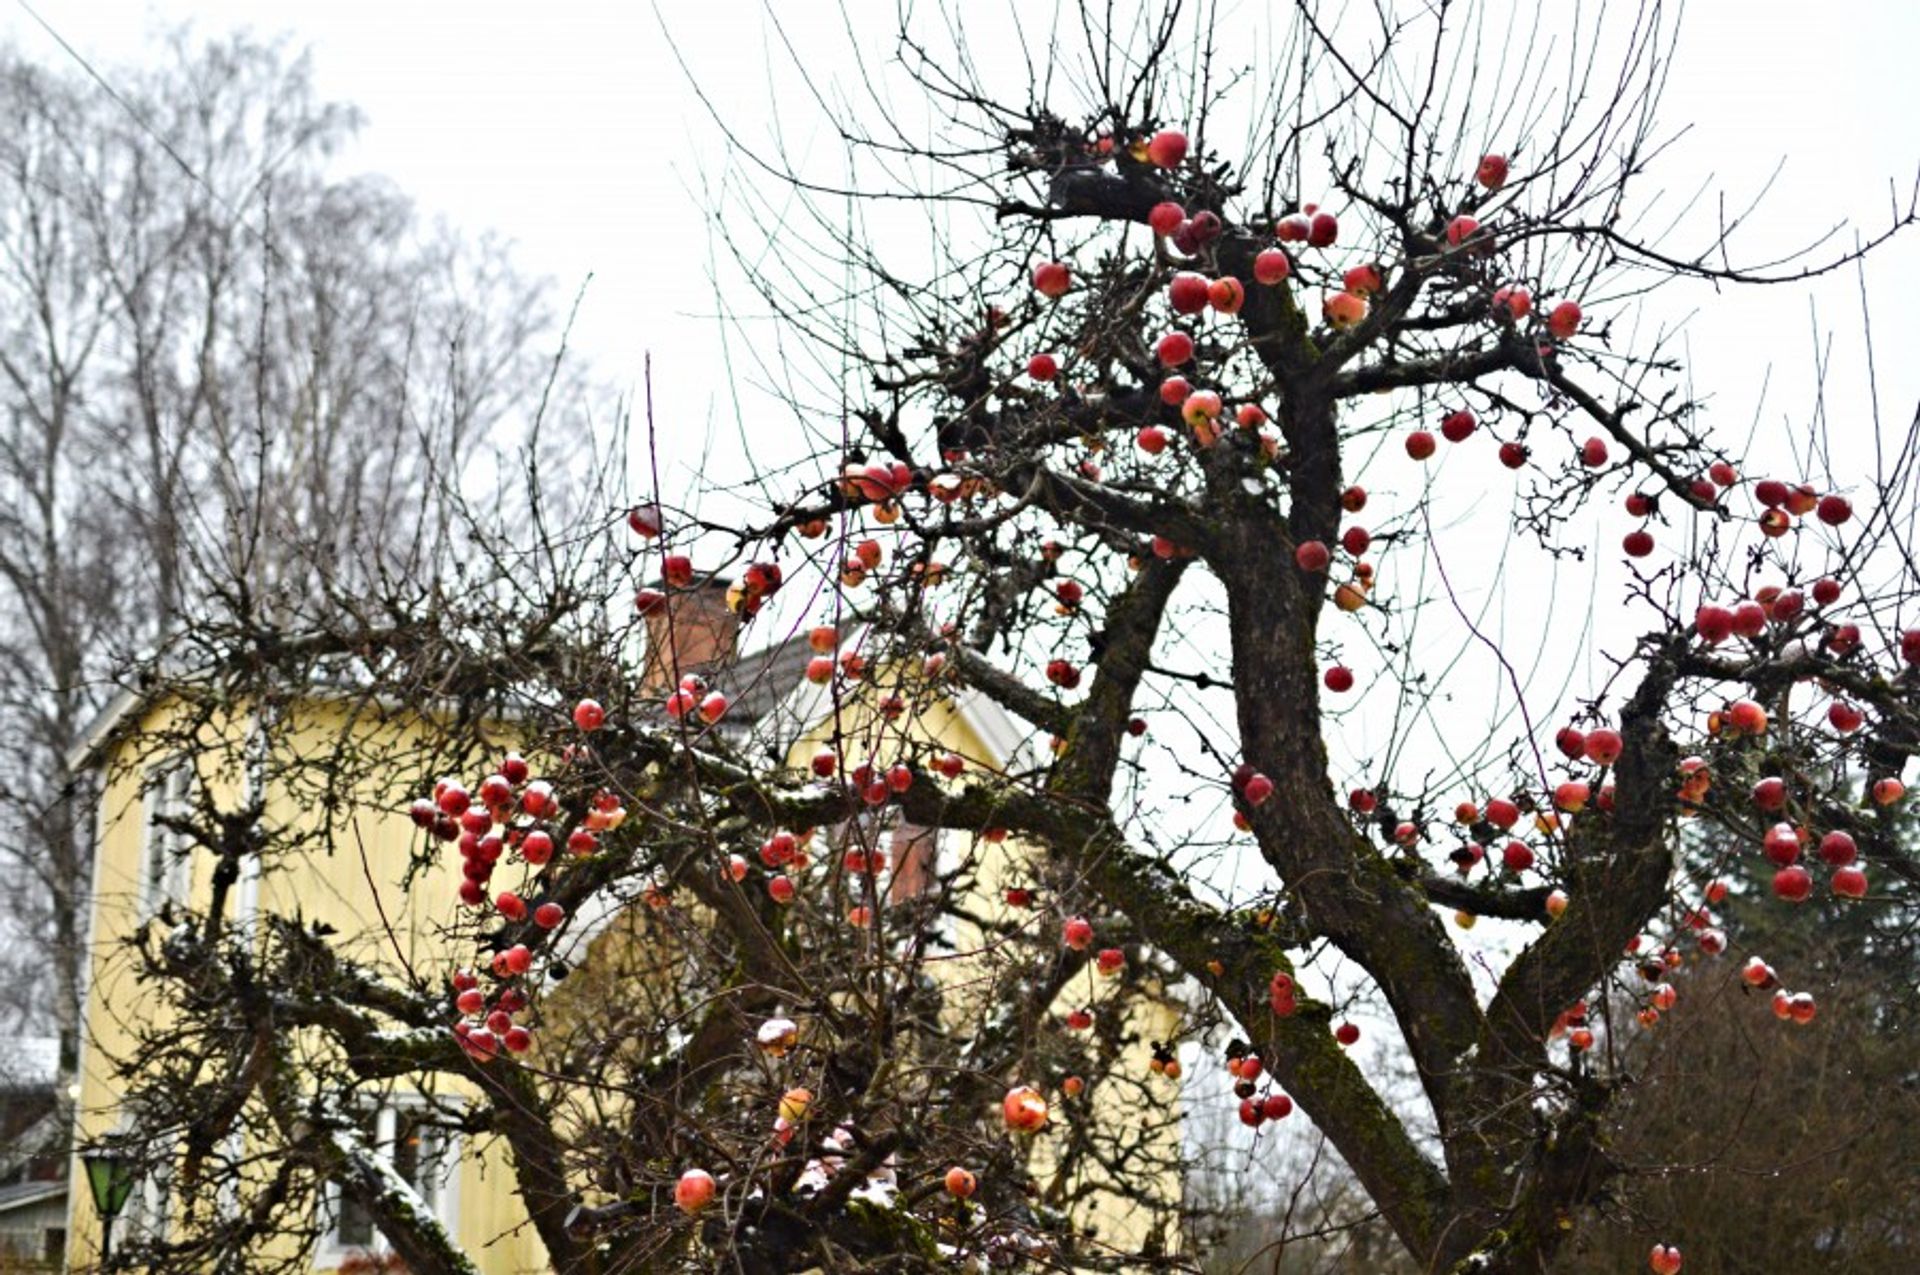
{"x":228,"y":380}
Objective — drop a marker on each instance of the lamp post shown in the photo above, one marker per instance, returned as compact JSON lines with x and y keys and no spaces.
{"x":110,"y":1177}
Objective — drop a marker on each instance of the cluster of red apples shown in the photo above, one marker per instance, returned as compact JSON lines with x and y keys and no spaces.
{"x":508,"y":814}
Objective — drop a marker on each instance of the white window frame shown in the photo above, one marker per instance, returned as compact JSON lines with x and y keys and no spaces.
{"x":148,"y":1212}
{"x":166,"y":860}
{"x":444,"y":1203}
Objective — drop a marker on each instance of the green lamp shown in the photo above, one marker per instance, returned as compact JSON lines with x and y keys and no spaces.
{"x":110,"y":1176}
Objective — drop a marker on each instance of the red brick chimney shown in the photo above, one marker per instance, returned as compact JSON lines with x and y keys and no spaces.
{"x":694,"y":632}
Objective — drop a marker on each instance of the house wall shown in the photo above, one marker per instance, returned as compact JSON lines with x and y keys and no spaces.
{"x":356,"y":890}
{"x":25,"y":1231}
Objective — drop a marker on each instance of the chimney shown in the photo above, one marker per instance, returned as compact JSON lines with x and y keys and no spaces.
{"x":695,"y":631}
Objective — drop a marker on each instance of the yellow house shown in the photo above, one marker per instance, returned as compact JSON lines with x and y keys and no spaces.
{"x":349,"y":881}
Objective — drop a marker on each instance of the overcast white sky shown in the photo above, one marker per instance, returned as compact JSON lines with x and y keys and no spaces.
{"x":570,"y":128}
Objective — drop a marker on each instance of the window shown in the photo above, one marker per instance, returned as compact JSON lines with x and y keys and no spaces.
{"x":421,"y":1155}
{"x":149,"y":1208}
{"x":166,"y":865}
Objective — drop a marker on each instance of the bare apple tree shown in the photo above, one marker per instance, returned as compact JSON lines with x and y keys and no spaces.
{"x":1179,"y":295}
{"x":1095,"y":458}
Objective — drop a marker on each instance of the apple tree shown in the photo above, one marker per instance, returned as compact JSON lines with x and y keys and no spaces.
{"x":1132,"y":416}
{"x":1150,"y":457}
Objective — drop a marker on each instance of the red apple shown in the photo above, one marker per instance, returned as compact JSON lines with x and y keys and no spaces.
{"x":1173,"y":349}
{"x":1420,"y":444}
{"x":1714,"y":624}
{"x":1165,"y":217}
{"x":694,"y":1191}
{"x":1271,"y":266}
{"x":1311,"y":555}
{"x":1339,"y":679}
{"x":1572,"y":796}
{"x":960,"y":1183}
{"x":1343,"y":310}
{"x":1747,"y":717}
{"x":1167,"y":149}
{"x":1603,"y":746}
{"x":1593,"y":452}
{"x":1492,"y":171}
{"x":1187,"y":292}
{"x":1849,"y":883}
{"x":1458,"y":425}
{"x":1043,"y":367}
{"x":1025,"y":1109}
{"x":1346,"y":1033}
{"x":1793,"y":883}
{"x":1564,"y":320}
{"x":1226,"y":295}
{"x":451,"y":796}
{"x":1512,"y":303}
{"x":1781,"y":844}
{"x":1363,"y":281}
{"x":645,"y":520}
{"x":1052,"y":279}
